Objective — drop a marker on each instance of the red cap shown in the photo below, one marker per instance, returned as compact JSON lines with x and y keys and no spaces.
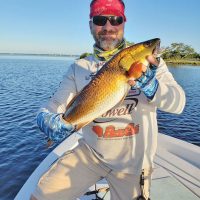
{"x":107,"y":7}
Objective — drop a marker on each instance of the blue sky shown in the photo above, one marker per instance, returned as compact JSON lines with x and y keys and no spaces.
{"x":61,"y":26}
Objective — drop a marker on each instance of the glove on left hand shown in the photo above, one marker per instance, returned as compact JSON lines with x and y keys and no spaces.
{"x":148,"y":82}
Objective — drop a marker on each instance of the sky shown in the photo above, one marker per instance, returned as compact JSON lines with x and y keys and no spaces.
{"x":61,"y":26}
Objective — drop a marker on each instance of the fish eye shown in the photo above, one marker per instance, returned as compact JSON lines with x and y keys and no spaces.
{"x":147,"y":44}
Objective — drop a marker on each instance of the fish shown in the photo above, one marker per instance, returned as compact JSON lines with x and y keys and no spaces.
{"x":110,"y":85}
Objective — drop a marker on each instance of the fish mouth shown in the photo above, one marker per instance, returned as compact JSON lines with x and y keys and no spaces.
{"x":153,"y":44}
{"x":157,"y":49}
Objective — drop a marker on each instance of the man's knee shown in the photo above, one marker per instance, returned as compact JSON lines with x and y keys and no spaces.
{"x":33,"y":198}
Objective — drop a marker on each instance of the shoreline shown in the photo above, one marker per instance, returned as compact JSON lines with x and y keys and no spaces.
{"x":183,"y":62}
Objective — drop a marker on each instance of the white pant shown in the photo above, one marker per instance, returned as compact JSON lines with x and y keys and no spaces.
{"x":71,"y":176}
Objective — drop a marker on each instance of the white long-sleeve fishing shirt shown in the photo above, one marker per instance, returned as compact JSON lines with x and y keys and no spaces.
{"x":125,"y":137}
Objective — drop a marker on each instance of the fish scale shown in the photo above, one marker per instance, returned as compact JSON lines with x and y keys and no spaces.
{"x":110,"y":85}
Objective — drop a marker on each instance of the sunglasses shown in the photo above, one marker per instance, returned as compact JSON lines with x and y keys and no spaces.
{"x":102,"y":20}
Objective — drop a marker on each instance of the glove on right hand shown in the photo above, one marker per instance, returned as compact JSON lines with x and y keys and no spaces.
{"x":53,"y":127}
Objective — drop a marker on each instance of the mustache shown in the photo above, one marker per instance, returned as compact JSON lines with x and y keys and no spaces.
{"x":105,"y":32}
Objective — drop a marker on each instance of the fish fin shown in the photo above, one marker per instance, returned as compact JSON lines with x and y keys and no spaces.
{"x":71,"y":102}
{"x":126,"y":93}
{"x":73,"y":99}
{"x":49,"y":143}
{"x":136,"y":70}
{"x":79,"y":126}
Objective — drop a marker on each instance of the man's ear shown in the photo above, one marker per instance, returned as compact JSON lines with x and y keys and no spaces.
{"x":90,"y":24}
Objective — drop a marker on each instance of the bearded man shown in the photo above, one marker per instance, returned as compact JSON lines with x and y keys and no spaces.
{"x":126,"y":162}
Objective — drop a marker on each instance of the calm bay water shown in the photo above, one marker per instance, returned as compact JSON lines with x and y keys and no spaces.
{"x":27,"y":82}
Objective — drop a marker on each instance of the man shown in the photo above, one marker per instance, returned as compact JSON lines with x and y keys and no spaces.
{"x":122,"y":160}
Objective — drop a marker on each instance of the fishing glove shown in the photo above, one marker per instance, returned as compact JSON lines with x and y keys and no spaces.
{"x":53,"y":127}
{"x":148,"y":83}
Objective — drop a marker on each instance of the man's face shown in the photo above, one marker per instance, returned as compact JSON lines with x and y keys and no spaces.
{"x":107,"y":37}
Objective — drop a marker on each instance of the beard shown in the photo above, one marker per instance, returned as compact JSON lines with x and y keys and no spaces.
{"x":107,"y":40}
{"x":108,"y":44}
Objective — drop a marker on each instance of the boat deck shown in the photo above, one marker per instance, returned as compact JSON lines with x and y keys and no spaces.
{"x":177,"y":170}
{"x":166,"y":187}
{"x":176,"y":173}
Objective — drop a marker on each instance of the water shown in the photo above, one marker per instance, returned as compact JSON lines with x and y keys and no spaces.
{"x":27,"y":82}
{"x":187,"y":125}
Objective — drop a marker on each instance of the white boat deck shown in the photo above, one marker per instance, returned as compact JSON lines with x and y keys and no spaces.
{"x":167,"y":187}
{"x":177,"y":166}
{"x":176,"y":174}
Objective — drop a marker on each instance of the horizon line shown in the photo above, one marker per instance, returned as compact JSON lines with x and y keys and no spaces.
{"x":41,"y":54}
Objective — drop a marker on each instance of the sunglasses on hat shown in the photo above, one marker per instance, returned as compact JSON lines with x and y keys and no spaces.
{"x":102,"y":20}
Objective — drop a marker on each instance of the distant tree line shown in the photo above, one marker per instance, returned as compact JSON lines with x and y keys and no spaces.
{"x":180,"y":51}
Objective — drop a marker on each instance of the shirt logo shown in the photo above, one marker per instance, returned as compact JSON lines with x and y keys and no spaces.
{"x":111,"y":132}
